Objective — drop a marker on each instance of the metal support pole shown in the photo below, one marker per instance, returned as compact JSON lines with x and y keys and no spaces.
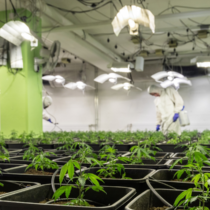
{"x":96,"y":101}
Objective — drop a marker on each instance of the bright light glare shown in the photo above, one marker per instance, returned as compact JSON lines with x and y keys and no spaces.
{"x":112,"y":80}
{"x":59,"y":81}
{"x":27,"y":36}
{"x":80,"y":85}
{"x":127,"y":86}
{"x":170,"y":78}
{"x":132,"y":24}
{"x":203,"y":64}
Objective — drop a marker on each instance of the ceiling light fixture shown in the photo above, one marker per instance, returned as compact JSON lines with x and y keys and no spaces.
{"x":80,"y":85}
{"x":201,"y":61}
{"x":125,"y":86}
{"x":16,"y":32}
{"x":170,"y":78}
{"x":133,"y":16}
{"x":112,"y":77}
{"x":123,"y":67}
{"x":55,"y":81}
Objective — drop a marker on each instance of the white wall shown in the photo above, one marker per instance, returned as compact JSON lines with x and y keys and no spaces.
{"x":75,"y":111}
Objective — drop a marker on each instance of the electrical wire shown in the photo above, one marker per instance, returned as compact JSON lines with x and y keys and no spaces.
{"x":72,"y":11}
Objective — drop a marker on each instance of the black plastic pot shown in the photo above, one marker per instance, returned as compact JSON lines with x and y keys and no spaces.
{"x":166,"y":176}
{"x":160,"y":155}
{"x":9,"y":165}
{"x":18,"y":173}
{"x":178,"y":155}
{"x":148,"y":199}
{"x":16,"y":145}
{"x":184,"y":162}
{"x":138,"y":176}
{"x":150,"y":164}
{"x":115,"y":198}
{"x":10,"y":186}
{"x":172,"y":147}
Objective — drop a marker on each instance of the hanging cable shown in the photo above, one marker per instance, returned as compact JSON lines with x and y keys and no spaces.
{"x":72,"y":11}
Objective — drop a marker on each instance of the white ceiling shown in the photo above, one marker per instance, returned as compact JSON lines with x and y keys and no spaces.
{"x":91,"y":44}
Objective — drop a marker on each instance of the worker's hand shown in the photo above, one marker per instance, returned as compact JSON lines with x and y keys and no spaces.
{"x":50,"y":121}
{"x":157,"y":127}
{"x":176,"y":116}
{"x":183,"y":108}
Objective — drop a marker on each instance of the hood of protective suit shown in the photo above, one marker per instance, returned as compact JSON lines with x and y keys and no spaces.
{"x":154,"y":89}
{"x":47,"y":101}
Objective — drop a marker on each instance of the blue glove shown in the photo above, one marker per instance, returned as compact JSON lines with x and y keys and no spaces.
{"x":176,"y":116}
{"x":183,"y":108}
{"x":158,"y":128}
{"x":50,"y":121}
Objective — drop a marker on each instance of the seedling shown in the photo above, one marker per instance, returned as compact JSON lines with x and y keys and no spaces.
{"x":42,"y":162}
{"x":201,"y":181}
{"x":79,"y":179}
{"x":142,"y":150}
{"x":112,"y":168}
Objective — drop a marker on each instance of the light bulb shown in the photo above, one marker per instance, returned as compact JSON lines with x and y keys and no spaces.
{"x":170,"y":78}
{"x":203,"y":64}
{"x":126,"y":86}
{"x":112,"y":80}
{"x":59,"y":81}
{"x":80,"y":85}
{"x":132,"y":24}
{"x":27,"y":36}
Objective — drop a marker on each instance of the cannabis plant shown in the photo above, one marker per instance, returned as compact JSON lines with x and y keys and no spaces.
{"x":80,"y":179}
{"x":42,"y":162}
{"x":201,"y":181}
{"x":142,"y":150}
{"x":112,"y":168}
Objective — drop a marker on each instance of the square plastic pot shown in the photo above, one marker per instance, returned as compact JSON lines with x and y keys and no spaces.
{"x":18,"y":173}
{"x":184,"y":162}
{"x":150,"y":164}
{"x":148,"y":199}
{"x":138,"y":176}
{"x":172,"y":147}
{"x":11,"y":186}
{"x":116,"y":198}
{"x":166,"y":176}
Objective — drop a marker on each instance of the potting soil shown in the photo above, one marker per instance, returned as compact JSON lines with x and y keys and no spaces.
{"x":159,"y":208}
{"x":33,"y":171}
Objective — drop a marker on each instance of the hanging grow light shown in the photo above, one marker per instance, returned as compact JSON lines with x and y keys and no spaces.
{"x":133,"y":16}
{"x":16,"y":32}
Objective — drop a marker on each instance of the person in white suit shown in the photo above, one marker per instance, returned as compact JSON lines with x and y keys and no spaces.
{"x":168,"y":104}
{"x":47,"y":101}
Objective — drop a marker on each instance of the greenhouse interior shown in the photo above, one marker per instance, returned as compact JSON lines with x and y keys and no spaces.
{"x":104,"y":104}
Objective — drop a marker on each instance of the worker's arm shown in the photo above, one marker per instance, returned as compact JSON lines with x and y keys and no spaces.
{"x":45,"y":116}
{"x":158,"y":114}
{"x":177,"y":99}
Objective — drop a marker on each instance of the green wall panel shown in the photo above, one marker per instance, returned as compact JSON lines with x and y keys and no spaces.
{"x":21,"y":93}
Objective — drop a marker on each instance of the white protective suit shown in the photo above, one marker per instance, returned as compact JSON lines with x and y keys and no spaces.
{"x":47,"y":101}
{"x":169,"y":103}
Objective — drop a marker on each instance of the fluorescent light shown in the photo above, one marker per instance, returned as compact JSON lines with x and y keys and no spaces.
{"x":123,"y":67}
{"x":125,"y":70}
{"x":203,"y":64}
{"x":128,"y":15}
